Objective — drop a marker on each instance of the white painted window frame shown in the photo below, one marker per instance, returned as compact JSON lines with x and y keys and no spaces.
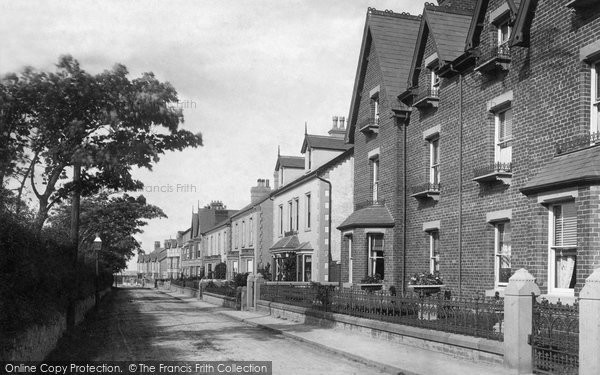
{"x":500,"y":145}
{"x":552,"y":249}
{"x":433,"y":260}
{"x":434,"y":168}
{"x":498,"y":253}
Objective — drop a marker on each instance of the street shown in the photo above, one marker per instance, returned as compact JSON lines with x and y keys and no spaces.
{"x":144,"y":324}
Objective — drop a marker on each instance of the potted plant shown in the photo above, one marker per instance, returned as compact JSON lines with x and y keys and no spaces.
{"x":426,"y":283}
{"x":371,"y":283}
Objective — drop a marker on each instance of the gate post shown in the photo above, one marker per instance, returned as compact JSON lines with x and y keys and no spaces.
{"x":250,"y":291}
{"x":518,"y":320}
{"x":589,"y":326}
{"x":258,"y":281}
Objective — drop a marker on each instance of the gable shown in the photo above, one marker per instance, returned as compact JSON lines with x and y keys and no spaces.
{"x":392,"y":37}
{"x":478,"y":20}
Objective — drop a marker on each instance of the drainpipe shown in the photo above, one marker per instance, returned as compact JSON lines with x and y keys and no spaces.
{"x":329,"y":233}
{"x":404,"y":201}
{"x":460,"y":180}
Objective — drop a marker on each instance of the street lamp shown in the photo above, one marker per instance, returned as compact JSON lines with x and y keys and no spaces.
{"x":97,"y":246}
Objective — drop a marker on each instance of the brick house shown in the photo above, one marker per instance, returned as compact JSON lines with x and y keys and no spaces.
{"x":306,"y":208}
{"x":490,"y":190}
{"x":372,"y":240}
{"x":191,"y":241}
{"x":248,"y":231}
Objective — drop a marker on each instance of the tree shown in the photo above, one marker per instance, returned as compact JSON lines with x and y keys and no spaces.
{"x":116,"y":219}
{"x":104,"y":123}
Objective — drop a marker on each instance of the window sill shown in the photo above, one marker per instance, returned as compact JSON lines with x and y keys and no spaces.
{"x":502,"y":176}
{"x":427,"y":101}
{"x":494,"y":64}
{"x":370,"y":129}
{"x":427,"y":194}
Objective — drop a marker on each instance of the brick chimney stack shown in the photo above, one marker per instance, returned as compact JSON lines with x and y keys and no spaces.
{"x":260,"y":191}
{"x":156,"y":245}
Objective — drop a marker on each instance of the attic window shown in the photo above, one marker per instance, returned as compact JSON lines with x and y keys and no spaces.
{"x":370,"y":125}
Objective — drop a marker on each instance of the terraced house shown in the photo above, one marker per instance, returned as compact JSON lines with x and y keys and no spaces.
{"x":372,"y":234}
{"x":306,"y":209}
{"x":251,"y":232}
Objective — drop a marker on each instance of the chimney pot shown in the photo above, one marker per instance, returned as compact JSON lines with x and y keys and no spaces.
{"x":335,"y":122}
{"x":342,"y":122}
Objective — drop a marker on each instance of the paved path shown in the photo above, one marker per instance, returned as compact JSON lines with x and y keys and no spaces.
{"x":144,"y":324}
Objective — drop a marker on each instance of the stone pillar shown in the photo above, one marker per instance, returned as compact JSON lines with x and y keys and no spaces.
{"x":250,"y":291}
{"x":518,"y":315}
{"x":258,"y":281}
{"x":589,"y":325}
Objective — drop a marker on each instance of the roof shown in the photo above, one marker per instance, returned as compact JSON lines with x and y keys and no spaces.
{"x":376,"y":215}
{"x":289,"y":243}
{"x":217,"y":226}
{"x":477,"y":22}
{"x":393,"y":36}
{"x":448,"y":28}
{"x":449,"y":31}
{"x":576,"y":168}
{"x":338,"y":159}
{"x":289,"y":162}
{"x":325,"y":142}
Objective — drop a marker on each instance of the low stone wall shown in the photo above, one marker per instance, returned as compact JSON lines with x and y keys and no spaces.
{"x":190,"y":292}
{"x":461,"y":346}
{"x":219,"y":300}
{"x":38,"y":341}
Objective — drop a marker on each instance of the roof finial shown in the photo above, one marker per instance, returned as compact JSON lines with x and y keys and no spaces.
{"x":305,"y":127}
{"x":278,"y":150}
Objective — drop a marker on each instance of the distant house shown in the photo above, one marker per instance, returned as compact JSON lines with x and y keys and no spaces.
{"x":251,"y":231}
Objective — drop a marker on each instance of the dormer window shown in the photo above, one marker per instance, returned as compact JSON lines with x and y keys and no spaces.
{"x":429,"y":95}
{"x":497,"y":57}
{"x":370,"y":125}
{"x":435,"y":82}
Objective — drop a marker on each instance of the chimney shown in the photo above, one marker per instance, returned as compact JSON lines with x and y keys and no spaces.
{"x":338,"y":131}
{"x":156,"y":245}
{"x":342,"y":125}
{"x":260,"y":191}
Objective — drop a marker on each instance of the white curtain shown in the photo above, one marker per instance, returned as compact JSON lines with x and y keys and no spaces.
{"x":565,"y":266}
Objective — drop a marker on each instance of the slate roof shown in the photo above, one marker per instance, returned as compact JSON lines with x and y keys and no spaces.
{"x":393,"y":36}
{"x":323,"y":142}
{"x":577,"y":168}
{"x":449,"y":31}
{"x":368,"y":217}
{"x":289,"y":162}
{"x":289,"y":243}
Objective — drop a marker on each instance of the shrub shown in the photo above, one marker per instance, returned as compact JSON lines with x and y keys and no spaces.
{"x":221,"y":271}
{"x":240,"y":279}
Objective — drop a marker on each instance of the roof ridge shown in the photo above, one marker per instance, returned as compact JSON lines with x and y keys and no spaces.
{"x":391,"y":13}
{"x":447,"y":9}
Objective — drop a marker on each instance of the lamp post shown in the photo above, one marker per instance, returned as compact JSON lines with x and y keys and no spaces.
{"x":97,"y":246}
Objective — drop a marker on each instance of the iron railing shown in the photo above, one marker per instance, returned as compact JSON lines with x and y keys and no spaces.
{"x":428,"y":93}
{"x":368,"y":121}
{"x":479,"y":317}
{"x":555,"y":338}
{"x":577,"y":143}
{"x":426,"y":187}
{"x":501,"y":52}
{"x":492,"y":168}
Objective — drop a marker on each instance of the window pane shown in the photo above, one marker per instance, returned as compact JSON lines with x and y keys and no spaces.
{"x":565,"y":225}
{"x":565,"y":269}
{"x":597,"y":73}
{"x":307,"y":267}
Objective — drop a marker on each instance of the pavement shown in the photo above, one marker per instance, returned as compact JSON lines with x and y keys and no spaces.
{"x":387,"y":356}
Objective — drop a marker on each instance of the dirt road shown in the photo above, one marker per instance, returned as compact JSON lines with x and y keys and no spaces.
{"x":144,"y":324}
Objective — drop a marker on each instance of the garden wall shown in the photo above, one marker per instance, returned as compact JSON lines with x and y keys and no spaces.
{"x":38,"y":341}
{"x":465,"y":347}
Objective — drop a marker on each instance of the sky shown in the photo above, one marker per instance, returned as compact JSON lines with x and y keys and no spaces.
{"x":249,"y":75}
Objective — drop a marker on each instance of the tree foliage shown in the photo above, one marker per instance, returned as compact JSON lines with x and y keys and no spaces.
{"x":106,"y":123}
{"x":115,"y":219}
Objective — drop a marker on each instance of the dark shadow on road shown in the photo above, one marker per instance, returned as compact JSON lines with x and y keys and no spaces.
{"x":108,"y":332}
